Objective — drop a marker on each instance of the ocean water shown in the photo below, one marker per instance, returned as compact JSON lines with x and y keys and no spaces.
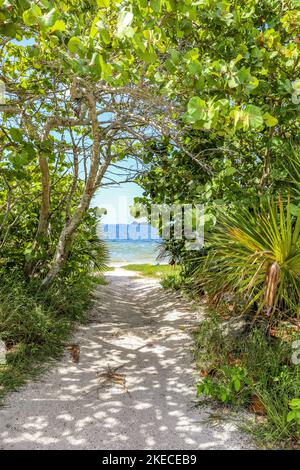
{"x":133,"y":252}
{"x":136,"y":243}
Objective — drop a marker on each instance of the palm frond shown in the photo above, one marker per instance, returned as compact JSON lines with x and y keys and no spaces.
{"x":256,"y":257}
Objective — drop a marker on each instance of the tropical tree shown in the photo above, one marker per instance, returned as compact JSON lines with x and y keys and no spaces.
{"x":63,"y":112}
{"x":101,"y":80}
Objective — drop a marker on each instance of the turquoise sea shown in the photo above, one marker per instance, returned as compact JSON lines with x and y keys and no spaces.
{"x":133,"y":252}
{"x":132,"y":243}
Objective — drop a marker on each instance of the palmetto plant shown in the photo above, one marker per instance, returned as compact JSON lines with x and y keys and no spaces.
{"x":256,"y":256}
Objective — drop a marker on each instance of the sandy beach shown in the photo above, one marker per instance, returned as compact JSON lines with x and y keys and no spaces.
{"x":133,"y":388}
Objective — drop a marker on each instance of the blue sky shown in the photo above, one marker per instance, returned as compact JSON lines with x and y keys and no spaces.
{"x":118,"y":198}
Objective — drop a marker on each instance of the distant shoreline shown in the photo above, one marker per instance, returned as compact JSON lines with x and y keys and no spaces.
{"x":124,"y":252}
{"x":120,"y":240}
{"x":116,"y":264}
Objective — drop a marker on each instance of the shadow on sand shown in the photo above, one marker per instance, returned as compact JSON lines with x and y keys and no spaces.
{"x":138,"y":327}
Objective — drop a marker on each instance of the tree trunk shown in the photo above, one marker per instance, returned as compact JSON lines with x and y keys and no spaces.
{"x":96,"y":173}
{"x":45,"y":175}
{"x":45,"y":204}
{"x":42,"y":230}
{"x":72,"y":224}
{"x":266,"y":167}
{"x":66,"y":235}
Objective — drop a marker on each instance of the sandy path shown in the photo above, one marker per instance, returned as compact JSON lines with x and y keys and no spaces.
{"x":137,"y":326}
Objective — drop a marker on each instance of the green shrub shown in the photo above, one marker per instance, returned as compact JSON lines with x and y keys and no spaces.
{"x":264,"y":369}
{"x":172,"y":281}
{"x":294,"y":415}
{"x":228,"y":384}
{"x":36,"y":324}
{"x":254,"y":258}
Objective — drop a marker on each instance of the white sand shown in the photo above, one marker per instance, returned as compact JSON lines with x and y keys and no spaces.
{"x":137,"y":325}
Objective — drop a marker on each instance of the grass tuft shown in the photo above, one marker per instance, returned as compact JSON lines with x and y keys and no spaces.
{"x":255,"y":371}
{"x":151,"y":270}
{"x":36,"y":325}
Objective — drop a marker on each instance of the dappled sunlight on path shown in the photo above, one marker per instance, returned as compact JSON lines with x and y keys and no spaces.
{"x":136,"y":330}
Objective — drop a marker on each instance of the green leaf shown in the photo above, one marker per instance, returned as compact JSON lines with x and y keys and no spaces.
{"x":29,"y":18}
{"x":270,"y":120}
{"x":94,"y":28}
{"x":291,"y":416}
{"x":95,"y":59}
{"x":296,"y":85}
{"x":197,"y":108}
{"x":106,"y":68}
{"x":59,"y":25}
{"x":237,"y":385}
{"x":16,"y":135}
{"x":233,"y":82}
{"x":244,"y":75}
{"x":9,"y":30}
{"x":49,"y":20}
{"x":30,"y":150}
{"x":195,"y":67}
{"x":252,"y":84}
{"x":255,"y":116}
{"x":209,"y":221}
{"x":54,"y":41}
{"x":143,"y":3}
{"x":103,"y":3}
{"x":155,"y":5}
{"x":230,"y":171}
{"x":124,"y":20}
{"x":75,"y":45}
{"x":36,"y":11}
{"x":100,"y":67}
{"x":105,"y":36}
{"x":294,"y":404}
